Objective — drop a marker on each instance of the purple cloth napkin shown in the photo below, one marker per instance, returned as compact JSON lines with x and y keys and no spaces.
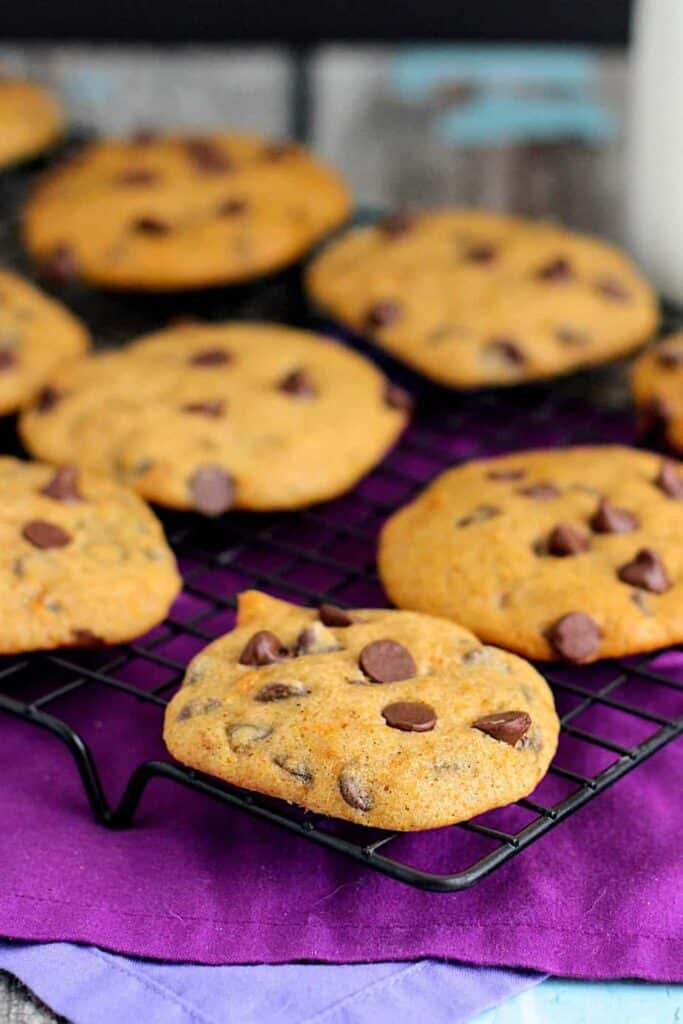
{"x":599,"y":897}
{"x":88,"y":986}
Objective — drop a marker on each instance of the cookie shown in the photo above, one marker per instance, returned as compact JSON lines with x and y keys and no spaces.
{"x":36,"y":335}
{"x":182,"y":212}
{"x":386,"y":718}
{"x":209,"y":417}
{"x":31,"y":119}
{"x":657,"y":386}
{"x":573,"y":554}
{"x":472,"y":299}
{"x":84,"y":562}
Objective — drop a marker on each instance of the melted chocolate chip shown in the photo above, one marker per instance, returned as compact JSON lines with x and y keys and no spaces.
{"x":479,"y":515}
{"x":298,"y":769}
{"x":212,"y":490}
{"x":263,"y":648}
{"x":481,"y":253}
{"x":541,"y":492}
{"x":646,"y":571}
{"x":207,"y":157}
{"x":669,"y":480}
{"x":64,"y":486}
{"x":409,"y":716}
{"x":397,"y":398}
{"x":384,"y":313}
{"x":331,"y":615}
{"x":280,"y":691}
{"x":138,"y":176}
{"x":61,"y":265}
{"x":613,"y":289}
{"x":214,"y":408}
{"x":506,"y":726}
{"x":299,"y":384}
{"x":575,"y":637}
{"x":197,"y":706}
{"x":567,"y":540}
{"x":46,"y":399}
{"x":506,"y":474}
{"x":669,"y":355}
{"x":8,"y":359}
{"x":315,"y":639}
{"x":278,"y":150}
{"x":231,"y":207}
{"x":558,"y":270}
{"x":243,"y":736}
{"x":211,"y":357}
{"x":86,"y":638}
{"x":572,"y":335}
{"x":610,"y":519}
{"x":400,"y":223}
{"x":44,"y":535}
{"x":506,"y":349}
{"x":150,"y":226}
{"x":385,"y":661}
{"x":354,"y":792}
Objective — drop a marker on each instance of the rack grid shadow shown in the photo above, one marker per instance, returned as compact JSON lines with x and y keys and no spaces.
{"x":615,"y":715}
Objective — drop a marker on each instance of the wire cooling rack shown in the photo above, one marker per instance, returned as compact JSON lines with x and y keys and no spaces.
{"x":615,"y":714}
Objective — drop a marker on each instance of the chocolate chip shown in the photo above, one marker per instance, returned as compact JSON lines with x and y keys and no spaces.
{"x":479,"y":515}
{"x":263,"y":648}
{"x":506,"y":474}
{"x":567,"y":540}
{"x":610,"y":519}
{"x":397,"y":398}
{"x":669,"y":479}
{"x":354,"y":792}
{"x":647,"y":571}
{"x":298,"y":383}
{"x":669,"y":355}
{"x":400,"y":223}
{"x":506,"y":349}
{"x":64,"y":486}
{"x":242,"y":736}
{"x":410,"y":716}
{"x":280,"y":691}
{"x":42,"y":534}
{"x":46,"y":399}
{"x":557,"y":270}
{"x":213,"y":408}
{"x":298,"y":769}
{"x":231,"y":207}
{"x":575,"y":637}
{"x":61,"y":265}
{"x":138,"y":176}
{"x":481,"y":253}
{"x":384,"y":313}
{"x":385,"y":661}
{"x":207,"y":157}
{"x":197,"y":706}
{"x":507,"y":726}
{"x":211,"y":357}
{"x":572,"y":335}
{"x":150,"y":226}
{"x":541,"y":492}
{"x":86,"y":638}
{"x":331,"y":615}
{"x":212,"y":490}
{"x":613,"y":289}
{"x":8,"y":359}
{"x":315,"y":639}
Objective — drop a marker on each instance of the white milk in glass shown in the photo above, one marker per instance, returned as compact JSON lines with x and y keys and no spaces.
{"x":655,"y":144}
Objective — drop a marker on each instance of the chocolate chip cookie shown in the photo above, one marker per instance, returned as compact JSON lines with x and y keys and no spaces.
{"x":473,"y":299}
{"x":657,"y":385}
{"x":164,"y":213}
{"x":31,"y":119}
{"x":573,"y":554}
{"x":84,"y":562}
{"x":210,"y":417}
{"x":386,"y":718}
{"x":36,"y":335}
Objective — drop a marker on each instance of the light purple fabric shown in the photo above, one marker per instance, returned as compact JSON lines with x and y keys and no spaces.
{"x":88,"y":986}
{"x":599,"y":897}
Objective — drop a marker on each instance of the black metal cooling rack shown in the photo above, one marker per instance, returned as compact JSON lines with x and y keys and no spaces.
{"x":295,"y":548}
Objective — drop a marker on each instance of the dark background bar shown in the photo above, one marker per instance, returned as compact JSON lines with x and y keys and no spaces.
{"x":304,"y":22}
